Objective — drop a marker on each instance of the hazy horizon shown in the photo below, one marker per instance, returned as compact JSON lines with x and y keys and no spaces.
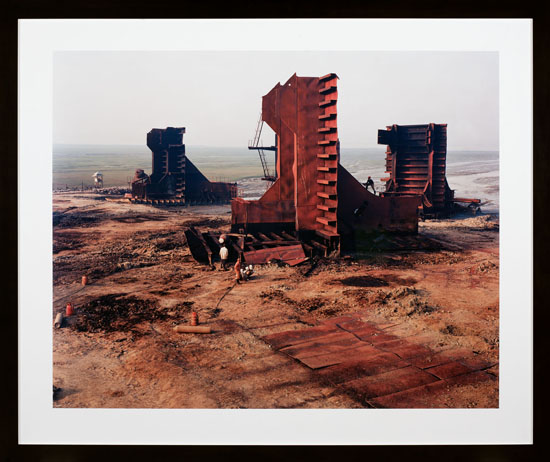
{"x":116,"y":97}
{"x":245,"y":148}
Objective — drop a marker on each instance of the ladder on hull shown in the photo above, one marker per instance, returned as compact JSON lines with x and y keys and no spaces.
{"x":255,"y":144}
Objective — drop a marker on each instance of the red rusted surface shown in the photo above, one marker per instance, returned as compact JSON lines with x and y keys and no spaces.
{"x":294,"y":337}
{"x":328,"y":359}
{"x":291,"y":253}
{"x":391,"y":373}
{"x":389,"y":382}
{"x":330,"y":343}
{"x":174,"y":176}
{"x":446,"y":371}
{"x":416,"y":159}
{"x":313,"y":193}
{"x":253,"y":248}
{"x":432,"y":395}
{"x":443,"y":357}
{"x":352,"y":370}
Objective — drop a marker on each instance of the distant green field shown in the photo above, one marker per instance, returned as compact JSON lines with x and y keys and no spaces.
{"x":74,"y":164}
{"x":471,"y":173}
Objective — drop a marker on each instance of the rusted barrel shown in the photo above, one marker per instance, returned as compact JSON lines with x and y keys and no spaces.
{"x":194,"y":318}
{"x":84,"y":280}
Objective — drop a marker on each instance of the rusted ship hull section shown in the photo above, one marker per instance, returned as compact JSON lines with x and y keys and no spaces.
{"x":253,"y":248}
{"x":416,"y":158}
{"x":174,"y":179}
{"x":313,"y":194}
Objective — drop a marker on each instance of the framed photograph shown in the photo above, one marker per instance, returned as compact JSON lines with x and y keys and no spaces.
{"x":244,"y":232}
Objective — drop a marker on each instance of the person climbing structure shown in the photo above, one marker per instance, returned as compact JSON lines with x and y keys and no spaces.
{"x":371,"y":184}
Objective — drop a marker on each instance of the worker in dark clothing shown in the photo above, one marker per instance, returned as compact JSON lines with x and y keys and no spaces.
{"x":371,"y":184}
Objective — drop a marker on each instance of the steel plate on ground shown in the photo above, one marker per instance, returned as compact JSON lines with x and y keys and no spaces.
{"x":291,"y":253}
{"x":293,"y":337}
{"x":351,"y":370}
{"x":433,"y":395}
{"x":389,"y":382}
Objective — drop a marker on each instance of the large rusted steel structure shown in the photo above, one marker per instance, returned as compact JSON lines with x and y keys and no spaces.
{"x":416,"y":157}
{"x":314,"y":197}
{"x":174,"y":178}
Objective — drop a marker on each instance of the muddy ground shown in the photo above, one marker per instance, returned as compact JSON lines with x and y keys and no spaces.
{"x":120,"y":351}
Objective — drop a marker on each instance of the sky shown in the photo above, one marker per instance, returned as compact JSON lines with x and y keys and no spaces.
{"x":116,"y":97}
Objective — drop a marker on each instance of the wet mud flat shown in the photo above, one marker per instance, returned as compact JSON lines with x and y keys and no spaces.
{"x":119,"y":350}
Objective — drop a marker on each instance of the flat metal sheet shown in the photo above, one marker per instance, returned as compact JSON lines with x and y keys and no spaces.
{"x":291,"y":253}
{"x":294,"y":337}
{"x":352,"y":370}
{"x":446,"y":371}
{"x":330,"y":343}
{"x":323,"y":360}
{"x":389,"y":382}
{"x":433,"y":395}
{"x":442,"y":357}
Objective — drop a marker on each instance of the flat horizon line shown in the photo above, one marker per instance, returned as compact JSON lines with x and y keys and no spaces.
{"x":246,"y":146}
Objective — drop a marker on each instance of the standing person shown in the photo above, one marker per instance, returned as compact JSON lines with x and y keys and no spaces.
{"x":224,"y":254}
{"x":371,"y":184}
{"x":238,"y":275}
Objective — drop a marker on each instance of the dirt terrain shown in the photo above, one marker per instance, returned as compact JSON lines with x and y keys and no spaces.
{"x":119,"y":350}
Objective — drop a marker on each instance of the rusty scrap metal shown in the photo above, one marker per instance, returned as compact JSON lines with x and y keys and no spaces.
{"x":253,"y":248}
{"x":174,"y":179}
{"x":290,"y":254}
{"x":416,"y":158}
{"x":313,"y":195}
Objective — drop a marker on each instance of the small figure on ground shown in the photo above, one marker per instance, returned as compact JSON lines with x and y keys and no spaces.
{"x":238,"y":275}
{"x":247,"y":272}
{"x":370,"y":183}
{"x":224,"y":254}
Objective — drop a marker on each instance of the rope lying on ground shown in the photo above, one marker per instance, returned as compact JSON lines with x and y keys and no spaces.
{"x":223,"y":296}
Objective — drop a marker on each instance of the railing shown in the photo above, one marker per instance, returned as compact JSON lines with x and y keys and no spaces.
{"x":255,"y":144}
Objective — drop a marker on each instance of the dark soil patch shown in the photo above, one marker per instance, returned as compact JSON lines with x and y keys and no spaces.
{"x":363,"y":281}
{"x":311,"y":304}
{"x":171,"y":243}
{"x":207,"y":223}
{"x":400,"y":280}
{"x":452,"y":330}
{"x":320,"y":264}
{"x":275,"y":294}
{"x":60,"y":244}
{"x":139,"y":218}
{"x":116,"y":312}
{"x":75,"y":220}
{"x":159,"y":292}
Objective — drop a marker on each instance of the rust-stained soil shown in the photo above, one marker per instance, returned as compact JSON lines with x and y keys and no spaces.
{"x":119,"y":350}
